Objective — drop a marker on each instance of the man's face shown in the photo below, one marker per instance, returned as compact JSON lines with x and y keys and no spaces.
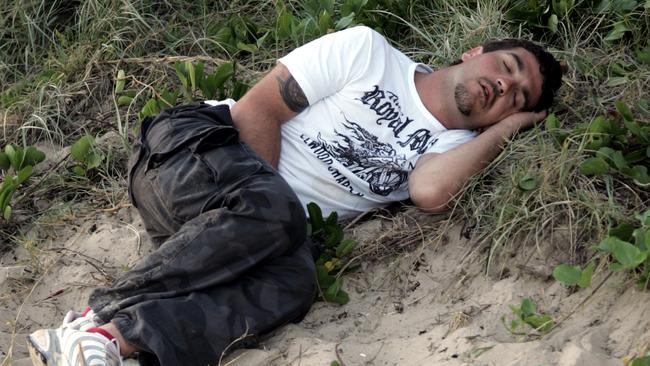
{"x":493,"y":85}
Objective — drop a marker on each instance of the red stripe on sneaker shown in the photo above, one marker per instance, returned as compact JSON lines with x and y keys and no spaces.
{"x":88,"y":309}
{"x":101,"y":331}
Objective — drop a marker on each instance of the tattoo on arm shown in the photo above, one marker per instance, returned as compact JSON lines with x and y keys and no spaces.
{"x":292,"y":95}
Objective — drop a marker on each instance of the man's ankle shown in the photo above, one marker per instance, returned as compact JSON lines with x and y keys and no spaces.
{"x":126,"y":349}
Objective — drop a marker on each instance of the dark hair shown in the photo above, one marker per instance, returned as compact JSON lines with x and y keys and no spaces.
{"x":549,"y":67}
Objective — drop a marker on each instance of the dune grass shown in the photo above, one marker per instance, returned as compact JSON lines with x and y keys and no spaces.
{"x":59,"y":62}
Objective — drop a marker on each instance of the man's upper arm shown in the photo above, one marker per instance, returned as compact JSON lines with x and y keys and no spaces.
{"x":277,"y":96}
{"x":260,"y":113}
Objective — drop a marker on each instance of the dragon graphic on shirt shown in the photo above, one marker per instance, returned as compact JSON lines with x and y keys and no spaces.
{"x":369,"y":159}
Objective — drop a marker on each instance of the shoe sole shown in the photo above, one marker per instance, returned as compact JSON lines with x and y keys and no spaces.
{"x":35,"y":353}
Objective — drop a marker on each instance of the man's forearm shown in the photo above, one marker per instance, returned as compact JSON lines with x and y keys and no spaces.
{"x":438,"y":177}
{"x":260,"y":132}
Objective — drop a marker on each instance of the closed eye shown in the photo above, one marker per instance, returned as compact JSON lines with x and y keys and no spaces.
{"x":507,"y":68}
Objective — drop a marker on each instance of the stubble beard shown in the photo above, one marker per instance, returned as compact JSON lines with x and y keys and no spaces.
{"x":463,"y":99}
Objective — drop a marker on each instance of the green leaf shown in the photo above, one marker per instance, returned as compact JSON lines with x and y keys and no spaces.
{"x":637,"y":130}
{"x":552,"y":23}
{"x":615,"y":267}
{"x":315,"y":217}
{"x":284,"y":25}
{"x":223,"y":73}
{"x":641,"y":361}
{"x":345,"y":22}
{"x":566,"y":274}
{"x":124,"y":100}
{"x":642,"y":238}
{"x":169,"y":98}
{"x":542,"y":323}
{"x":624,"y":110}
{"x":615,"y":157}
{"x":352,"y":6}
{"x":150,"y":108}
{"x":335,"y":363}
{"x":23,"y":174}
{"x":617,"y":81}
{"x":10,"y":153}
{"x":120,"y":81}
{"x":7,"y":213}
{"x":529,"y":182}
{"x":332,"y":219}
{"x":346,"y":247}
{"x":586,"y":275}
{"x":617,"y":32}
{"x":551,"y":122}
{"x":528,"y":308}
{"x":33,"y":156}
{"x":606,"y":244}
{"x":627,"y":254}
{"x":6,"y":192}
{"x":643,"y":55}
{"x":182,"y":73}
{"x":594,"y":166}
{"x":639,"y":174}
{"x":196,"y":76}
{"x":325,"y":280}
{"x":333,"y":290}
{"x":93,"y":160}
{"x":598,"y":125}
{"x":248,"y":47}
{"x":80,"y":149}
{"x":644,"y":217}
{"x":334,"y":235}
{"x":341,"y":298}
{"x":78,"y":170}
{"x":4,"y":162}
{"x":623,"y":231}
{"x":325,"y":22}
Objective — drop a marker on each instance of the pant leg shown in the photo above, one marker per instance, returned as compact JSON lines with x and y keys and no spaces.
{"x":239,"y":245}
{"x":202,"y":324}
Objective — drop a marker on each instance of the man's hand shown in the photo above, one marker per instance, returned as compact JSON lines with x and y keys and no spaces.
{"x":520,"y":121}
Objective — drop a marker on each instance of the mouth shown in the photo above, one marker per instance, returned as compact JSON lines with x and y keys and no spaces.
{"x":487,"y":93}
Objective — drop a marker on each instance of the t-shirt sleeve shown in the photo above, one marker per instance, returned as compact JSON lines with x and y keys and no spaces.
{"x":325,"y":65}
{"x":449,"y":139}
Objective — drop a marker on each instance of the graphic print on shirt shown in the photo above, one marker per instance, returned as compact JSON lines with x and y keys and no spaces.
{"x":360,"y":151}
{"x":364,"y":155}
{"x":369,"y":159}
{"x":387,"y":107}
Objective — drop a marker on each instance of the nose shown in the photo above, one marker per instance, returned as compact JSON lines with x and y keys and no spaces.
{"x":504,"y":84}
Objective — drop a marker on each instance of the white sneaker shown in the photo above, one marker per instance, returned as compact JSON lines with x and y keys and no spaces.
{"x":69,"y":347}
{"x":80,"y":321}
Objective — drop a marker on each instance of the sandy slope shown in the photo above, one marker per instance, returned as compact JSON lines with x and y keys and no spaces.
{"x":430,"y":306}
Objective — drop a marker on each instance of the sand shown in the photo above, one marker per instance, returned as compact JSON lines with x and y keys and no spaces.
{"x":429,"y":303}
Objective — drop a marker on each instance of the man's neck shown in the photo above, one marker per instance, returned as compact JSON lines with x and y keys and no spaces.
{"x":433,"y":89}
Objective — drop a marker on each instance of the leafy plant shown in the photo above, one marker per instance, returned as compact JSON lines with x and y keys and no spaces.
{"x":618,"y":145}
{"x":641,"y":361}
{"x":526,"y":313}
{"x":574,"y":275}
{"x":17,"y":164}
{"x":86,"y":155}
{"x":335,"y":251}
{"x":629,"y":248}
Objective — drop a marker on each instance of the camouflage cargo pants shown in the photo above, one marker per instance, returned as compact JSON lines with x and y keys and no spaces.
{"x":231,"y":257}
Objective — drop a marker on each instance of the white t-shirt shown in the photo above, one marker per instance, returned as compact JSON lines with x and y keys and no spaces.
{"x":353,"y":148}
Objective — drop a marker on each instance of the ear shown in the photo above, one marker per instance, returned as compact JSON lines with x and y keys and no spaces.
{"x":471,"y":53}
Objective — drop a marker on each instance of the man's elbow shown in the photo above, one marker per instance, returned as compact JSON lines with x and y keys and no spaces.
{"x":432,"y":198}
